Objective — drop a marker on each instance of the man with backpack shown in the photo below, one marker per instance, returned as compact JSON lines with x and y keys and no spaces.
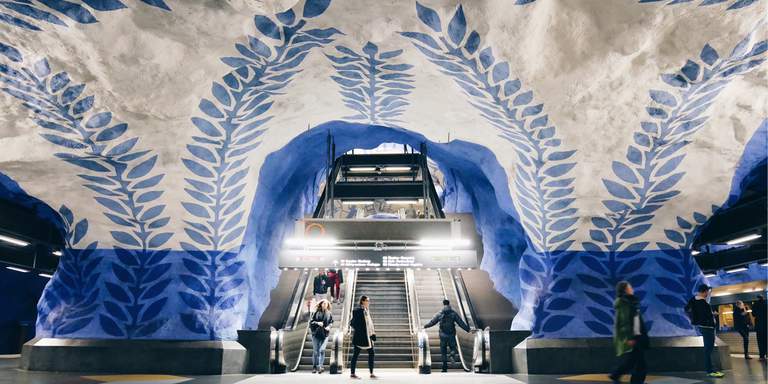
{"x":702,"y":317}
{"x":448,"y":318}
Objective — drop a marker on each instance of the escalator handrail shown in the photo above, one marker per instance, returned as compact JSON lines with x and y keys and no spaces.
{"x":424,"y":360}
{"x":458,"y":341}
{"x":482,"y":351}
{"x":413,"y":301}
{"x":346,"y":316}
{"x":336,"y":365}
{"x":297,"y":302}
{"x":463,"y":297}
{"x":296,"y":322}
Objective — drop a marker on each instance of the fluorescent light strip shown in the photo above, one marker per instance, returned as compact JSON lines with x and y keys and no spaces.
{"x":57,"y":253}
{"x":45,"y":275}
{"x":764,"y":265}
{"x":11,"y":240}
{"x":740,"y":269}
{"x":695,"y":252}
{"x":356,"y":202}
{"x":393,"y":202}
{"x":362,"y":169}
{"x":397,"y":169}
{"x":708,"y":275}
{"x":18,"y":269}
{"x":744,"y":239}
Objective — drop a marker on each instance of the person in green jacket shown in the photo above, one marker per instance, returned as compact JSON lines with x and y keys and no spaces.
{"x":629,"y":335}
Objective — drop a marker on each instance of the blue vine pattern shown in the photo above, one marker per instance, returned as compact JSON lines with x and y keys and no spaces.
{"x":543,"y":187}
{"x":371,"y":84}
{"x":732,"y":4}
{"x":230,"y":128}
{"x":123,"y":182}
{"x":645,"y":181}
{"x":28,"y":14}
{"x":70,"y":303}
{"x":682,"y":273}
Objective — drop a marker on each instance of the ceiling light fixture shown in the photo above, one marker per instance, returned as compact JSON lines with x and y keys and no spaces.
{"x":57,"y":253}
{"x":13,"y":241}
{"x":734,"y":270}
{"x":743,"y":239}
{"x":47,"y":276}
{"x":397,"y":169}
{"x":357,"y":202}
{"x":695,"y":252}
{"x":708,"y":275}
{"x":22,"y":270}
{"x":362,"y":169}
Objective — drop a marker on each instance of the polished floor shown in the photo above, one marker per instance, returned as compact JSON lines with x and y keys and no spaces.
{"x":743,"y":372}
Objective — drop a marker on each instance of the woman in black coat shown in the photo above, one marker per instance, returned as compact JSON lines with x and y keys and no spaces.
{"x":364,"y":336}
{"x":741,"y":323}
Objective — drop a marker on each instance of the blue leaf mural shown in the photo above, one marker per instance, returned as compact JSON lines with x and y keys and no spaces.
{"x":72,"y":300}
{"x":372,"y":84}
{"x":646,"y":179}
{"x":543,"y":188}
{"x":121,"y":178}
{"x":732,"y":4}
{"x":35,"y":14}
{"x":230,"y":126}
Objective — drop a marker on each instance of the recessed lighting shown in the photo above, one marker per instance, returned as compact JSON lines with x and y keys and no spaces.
{"x":13,"y":241}
{"x":57,"y":253}
{"x":710,"y":275}
{"x":47,"y":276}
{"x":22,"y":270}
{"x":734,"y":270}
{"x":744,"y":239}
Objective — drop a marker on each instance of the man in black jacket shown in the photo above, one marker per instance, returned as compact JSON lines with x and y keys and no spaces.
{"x":320,"y":286}
{"x":701,"y":315}
{"x":760,"y":312}
{"x":448,"y":318}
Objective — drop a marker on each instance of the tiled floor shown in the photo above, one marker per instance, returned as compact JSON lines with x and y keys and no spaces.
{"x":743,"y":372}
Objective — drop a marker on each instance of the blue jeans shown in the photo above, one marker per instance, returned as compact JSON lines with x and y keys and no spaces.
{"x":318,"y":351}
{"x":708,"y":334}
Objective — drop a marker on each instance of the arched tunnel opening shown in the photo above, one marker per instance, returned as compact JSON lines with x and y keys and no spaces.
{"x":474,"y":182}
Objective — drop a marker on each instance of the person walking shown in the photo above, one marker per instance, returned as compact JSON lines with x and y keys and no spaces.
{"x":760,"y":312}
{"x":364,"y":336}
{"x":320,"y":286}
{"x":701,"y":315}
{"x":447,"y":318}
{"x":334,"y":282}
{"x":630,"y":338}
{"x":741,"y":323}
{"x":320,"y":326}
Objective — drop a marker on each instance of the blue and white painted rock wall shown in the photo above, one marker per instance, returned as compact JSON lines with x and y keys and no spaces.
{"x":604,"y":131}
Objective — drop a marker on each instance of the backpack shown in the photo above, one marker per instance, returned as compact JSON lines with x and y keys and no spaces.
{"x":446,"y":323}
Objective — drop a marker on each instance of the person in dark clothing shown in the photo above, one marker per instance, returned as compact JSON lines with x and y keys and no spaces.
{"x":364,"y":336}
{"x":741,"y":324}
{"x":320,"y":325}
{"x":320,"y":286}
{"x":630,"y":338}
{"x":701,"y":315}
{"x":760,"y":312}
{"x":447,"y":318}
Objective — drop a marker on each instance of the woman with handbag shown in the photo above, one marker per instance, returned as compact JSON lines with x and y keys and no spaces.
{"x":364,"y":336}
{"x":320,"y":326}
{"x":630,"y":337}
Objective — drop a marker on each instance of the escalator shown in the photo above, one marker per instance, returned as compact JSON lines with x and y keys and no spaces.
{"x":431,"y":287}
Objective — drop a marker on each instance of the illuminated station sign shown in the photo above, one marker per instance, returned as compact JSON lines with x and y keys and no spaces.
{"x":337,"y":243}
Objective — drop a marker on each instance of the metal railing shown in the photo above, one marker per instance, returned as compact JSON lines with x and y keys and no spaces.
{"x":338,"y":355}
{"x":424,"y":360}
{"x":276,"y":355}
{"x":482,"y":351}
